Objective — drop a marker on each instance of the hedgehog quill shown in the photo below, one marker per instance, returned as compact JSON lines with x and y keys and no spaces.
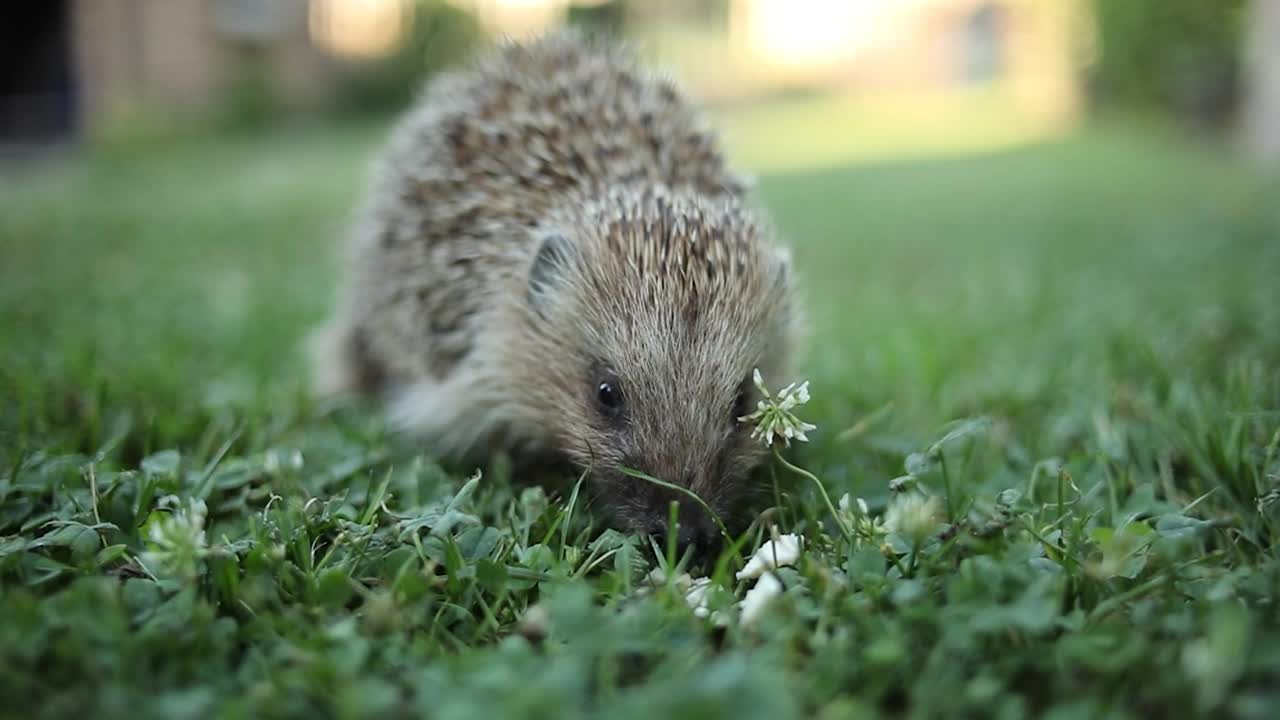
{"x":554,"y":257}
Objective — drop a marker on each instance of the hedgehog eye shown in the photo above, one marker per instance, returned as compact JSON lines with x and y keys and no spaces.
{"x":741,"y":402}
{"x":609,"y":396}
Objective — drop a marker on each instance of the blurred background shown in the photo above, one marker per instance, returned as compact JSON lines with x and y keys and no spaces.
{"x":1012,"y":207}
{"x":828,"y":80}
{"x":1060,"y":215}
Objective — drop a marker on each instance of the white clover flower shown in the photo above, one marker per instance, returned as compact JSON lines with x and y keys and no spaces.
{"x":758,"y":598}
{"x":844,"y":505}
{"x":658,"y":577}
{"x":697,"y":596}
{"x":277,"y":460}
{"x":535,"y":623}
{"x":860,"y":521}
{"x":774,"y":418}
{"x":914,"y":516}
{"x":696,"y":591}
{"x":177,"y":540}
{"x":774,"y":554}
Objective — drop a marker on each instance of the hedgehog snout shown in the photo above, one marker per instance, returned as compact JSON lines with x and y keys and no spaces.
{"x":701,"y":540}
{"x":695,"y":530}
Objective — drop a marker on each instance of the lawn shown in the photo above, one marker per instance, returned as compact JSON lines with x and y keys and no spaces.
{"x":1072,"y":348}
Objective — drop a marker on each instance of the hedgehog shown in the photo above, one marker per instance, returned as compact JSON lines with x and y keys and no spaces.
{"x":554,"y":260}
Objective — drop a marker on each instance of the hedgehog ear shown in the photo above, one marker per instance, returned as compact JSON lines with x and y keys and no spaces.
{"x":782,"y":270}
{"x":550,"y":270}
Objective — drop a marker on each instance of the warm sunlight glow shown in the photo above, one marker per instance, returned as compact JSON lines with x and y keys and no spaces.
{"x":517,"y":17}
{"x":805,"y":32}
{"x":358,"y":28}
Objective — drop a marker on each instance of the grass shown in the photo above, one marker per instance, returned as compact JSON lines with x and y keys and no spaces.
{"x":1072,"y":346}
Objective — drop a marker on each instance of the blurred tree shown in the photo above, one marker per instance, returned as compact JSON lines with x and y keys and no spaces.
{"x":440,"y":34}
{"x":253,"y":32}
{"x":1263,"y":91}
{"x":608,"y":17}
{"x":249,"y":101}
{"x":1181,"y":57}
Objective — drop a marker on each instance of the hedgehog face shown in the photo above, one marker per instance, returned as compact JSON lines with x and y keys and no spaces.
{"x":643,"y":329}
{"x":634,"y":418}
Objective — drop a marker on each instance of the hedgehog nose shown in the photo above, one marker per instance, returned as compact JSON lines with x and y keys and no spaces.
{"x":687,"y":539}
{"x":694,"y":535}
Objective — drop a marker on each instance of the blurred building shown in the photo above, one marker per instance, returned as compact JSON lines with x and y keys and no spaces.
{"x":75,"y":64}
{"x":36,"y":87}
{"x":733,"y":49}
{"x":163,"y":56}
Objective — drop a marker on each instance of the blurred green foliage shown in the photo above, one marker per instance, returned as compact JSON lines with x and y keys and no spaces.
{"x":248,"y":102}
{"x":1178,"y":57}
{"x":605,"y":18}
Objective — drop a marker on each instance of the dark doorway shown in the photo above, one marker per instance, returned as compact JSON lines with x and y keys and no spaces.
{"x":37,"y":93}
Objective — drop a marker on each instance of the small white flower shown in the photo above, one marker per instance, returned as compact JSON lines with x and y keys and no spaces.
{"x":658,"y":577}
{"x":535,"y":623}
{"x":773,"y":554}
{"x":862,"y":505}
{"x":766,"y":589}
{"x":697,"y":596}
{"x":684,"y":582}
{"x":277,"y":460}
{"x":860,"y":521}
{"x":773,"y":417}
{"x":914,"y":516}
{"x":177,"y":539}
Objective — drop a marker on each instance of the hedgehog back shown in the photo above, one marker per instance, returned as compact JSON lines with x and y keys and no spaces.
{"x":486,"y":155}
